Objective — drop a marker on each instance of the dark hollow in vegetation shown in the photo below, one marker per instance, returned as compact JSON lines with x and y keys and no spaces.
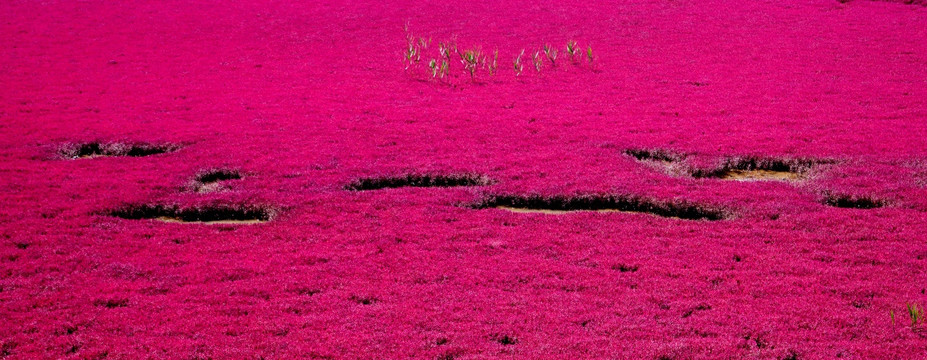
{"x":505,"y":339}
{"x":625,"y":268}
{"x":419,"y":180}
{"x":216,"y":175}
{"x":654,"y":155}
{"x":792,"y":355}
{"x":700,"y":307}
{"x":307,"y":291}
{"x":204,"y":214}
{"x":364,"y":300}
{"x":112,"y":303}
{"x":209,"y":180}
{"x":781,"y":169}
{"x":447,"y":356}
{"x":852,"y":202}
{"x":98,"y":149}
{"x":604,"y":203}
{"x":7,"y":349}
{"x":905,"y":2}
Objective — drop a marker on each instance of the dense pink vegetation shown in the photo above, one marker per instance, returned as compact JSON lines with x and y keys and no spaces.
{"x":304,"y":100}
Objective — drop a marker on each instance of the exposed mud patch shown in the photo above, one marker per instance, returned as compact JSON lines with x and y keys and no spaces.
{"x":761,"y":175}
{"x":418,"y":180}
{"x":99,"y":149}
{"x":213,"y":180}
{"x":663,"y":160}
{"x":737,"y":168}
{"x":215,"y":214}
{"x":761,"y":169}
{"x":549,"y":211}
{"x":852,"y":201}
{"x":601,"y":203}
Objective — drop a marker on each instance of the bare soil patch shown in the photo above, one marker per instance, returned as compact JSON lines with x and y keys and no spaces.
{"x":761,"y":169}
{"x":747,"y":168}
{"x":110,"y":149}
{"x":761,"y":175}
{"x":552,"y":212}
{"x":557,"y":205}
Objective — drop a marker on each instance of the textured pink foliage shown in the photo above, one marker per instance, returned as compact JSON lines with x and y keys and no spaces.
{"x":306,"y":100}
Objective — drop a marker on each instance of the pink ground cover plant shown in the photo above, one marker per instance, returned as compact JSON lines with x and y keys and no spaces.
{"x":195,"y":180}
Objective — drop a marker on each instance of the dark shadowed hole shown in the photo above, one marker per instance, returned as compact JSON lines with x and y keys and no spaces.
{"x":852,"y":202}
{"x":216,"y":214}
{"x":98,"y":149}
{"x":307,"y":291}
{"x":760,"y":169}
{"x":601,"y":203}
{"x":505,"y":339}
{"x":364,"y":300}
{"x":210,"y":180}
{"x":450,"y":355}
{"x":659,"y":155}
{"x":700,"y":307}
{"x":418,"y":180}
{"x":112,"y":303}
{"x":6,"y":349}
{"x":625,"y":267}
{"x":216,"y":175}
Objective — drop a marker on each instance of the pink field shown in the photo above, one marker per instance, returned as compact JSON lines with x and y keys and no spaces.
{"x":116,"y":115}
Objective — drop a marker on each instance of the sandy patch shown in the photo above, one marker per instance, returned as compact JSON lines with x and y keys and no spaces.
{"x":761,"y":175}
